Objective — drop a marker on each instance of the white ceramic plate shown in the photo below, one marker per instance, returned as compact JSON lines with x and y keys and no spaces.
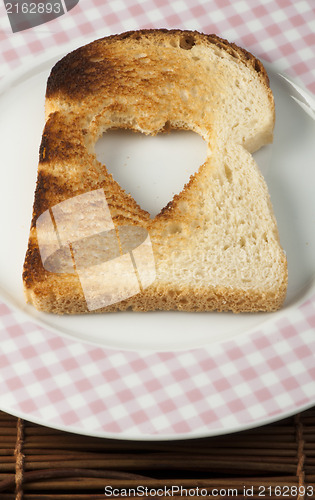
{"x":288,"y":178}
{"x":288,"y":169}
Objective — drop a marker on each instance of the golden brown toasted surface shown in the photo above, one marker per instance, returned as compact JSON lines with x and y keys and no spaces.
{"x":67,"y":76}
{"x":216,"y":244}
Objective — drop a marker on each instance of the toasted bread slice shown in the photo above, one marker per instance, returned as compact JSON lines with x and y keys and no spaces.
{"x":215,"y":246}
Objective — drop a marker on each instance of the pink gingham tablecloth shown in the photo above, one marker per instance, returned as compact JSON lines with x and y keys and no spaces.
{"x":89,"y":389}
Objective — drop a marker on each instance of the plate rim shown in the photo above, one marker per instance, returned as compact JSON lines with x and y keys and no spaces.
{"x":165,"y":437}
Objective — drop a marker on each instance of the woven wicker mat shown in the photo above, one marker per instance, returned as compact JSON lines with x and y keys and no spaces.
{"x":275,"y":461}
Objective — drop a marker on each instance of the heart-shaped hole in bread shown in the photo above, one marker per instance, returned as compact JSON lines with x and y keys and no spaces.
{"x":151,"y":168}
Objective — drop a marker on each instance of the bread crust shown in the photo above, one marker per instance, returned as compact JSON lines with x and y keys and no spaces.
{"x":68,"y":167}
{"x":66,"y":76}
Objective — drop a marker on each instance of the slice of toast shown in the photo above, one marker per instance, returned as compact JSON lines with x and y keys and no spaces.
{"x":215,"y":246}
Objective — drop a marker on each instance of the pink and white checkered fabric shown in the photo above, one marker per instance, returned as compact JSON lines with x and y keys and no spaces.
{"x":88,"y":389}
{"x":282,"y":31}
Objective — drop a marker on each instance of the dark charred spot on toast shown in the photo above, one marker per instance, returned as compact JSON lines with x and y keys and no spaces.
{"x":61,"y":140}
{"x":166,"y":210}
{"x":80,"y":73}
{"x":186,"y":42}
{"x":138,"y":34}
{"x":33,"y":271}
{"x":51,"y":149}
{"x":132,"y":34}
{"x":47,"y":183}
{"x":126,"y":35}
{"x":258,"y":66}
{"x":43,"y":156}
